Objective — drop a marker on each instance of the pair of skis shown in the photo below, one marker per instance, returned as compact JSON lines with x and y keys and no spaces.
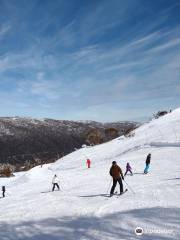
{"x":117,"y":194}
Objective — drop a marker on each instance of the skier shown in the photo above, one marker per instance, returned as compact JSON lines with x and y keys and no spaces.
{"x":55,"y":181}
{"x":88,"y":162}
{"x":128,"y":169}
{"x":3,"y":191}
{"x":148,"y":159}
{"x":117,"y":175}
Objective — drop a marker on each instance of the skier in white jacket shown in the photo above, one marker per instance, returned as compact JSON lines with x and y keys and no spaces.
{"x":55,"y":181}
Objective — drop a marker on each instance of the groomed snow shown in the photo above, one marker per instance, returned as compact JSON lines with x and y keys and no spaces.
{"x":82,"y":210}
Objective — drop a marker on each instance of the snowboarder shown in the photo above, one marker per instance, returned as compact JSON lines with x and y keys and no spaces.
{"x":117,"y":175}
{"x":88,"y":162}
{"x":148,"y":159}
{"x":3,"y":191}
{"x":55,"y":181}
{"x":128,"y":169}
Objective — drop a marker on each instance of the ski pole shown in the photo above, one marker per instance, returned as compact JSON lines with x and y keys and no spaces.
{"x":60,"y":187}
{"x":109,"y":186}
{"x":129,"y":187}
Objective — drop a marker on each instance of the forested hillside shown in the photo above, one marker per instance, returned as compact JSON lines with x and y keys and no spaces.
{"x":32,"y":141}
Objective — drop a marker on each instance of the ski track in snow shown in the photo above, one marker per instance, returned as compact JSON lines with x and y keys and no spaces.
{"x":82,"y":209}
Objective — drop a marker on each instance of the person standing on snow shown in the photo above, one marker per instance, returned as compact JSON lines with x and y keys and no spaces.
{"x":3,"y":191}
{"x":148,"y":159}
{"x":117,"y":175}
{"x":88,"y":162}
{"x":55,"y":181}
{"x":128,"y":169}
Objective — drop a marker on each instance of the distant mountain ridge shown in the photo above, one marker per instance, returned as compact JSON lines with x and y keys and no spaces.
{"x":28,"y":139}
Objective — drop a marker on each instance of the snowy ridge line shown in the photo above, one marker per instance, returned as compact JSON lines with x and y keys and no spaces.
{"x":134,"y":148}
{"x":149,"y":145}
{"x":164,"y":144}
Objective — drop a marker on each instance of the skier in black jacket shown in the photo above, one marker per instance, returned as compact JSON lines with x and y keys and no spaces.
{"x":148,"y":160}
{"x":3,"y":191}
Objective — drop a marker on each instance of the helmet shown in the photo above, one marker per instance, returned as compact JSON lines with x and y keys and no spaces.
{"x":114,"y":162}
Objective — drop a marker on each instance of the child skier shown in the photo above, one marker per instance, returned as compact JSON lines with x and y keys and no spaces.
{"x":128,"y":169}
{"x":148,"y":159}
{"x":55,"y":181}
{"x":3,"y":191}
{"x":88,"y":162}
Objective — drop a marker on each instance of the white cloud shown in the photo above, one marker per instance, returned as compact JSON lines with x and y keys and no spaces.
{"x":4,"y":29}
{"x":166,"y":46}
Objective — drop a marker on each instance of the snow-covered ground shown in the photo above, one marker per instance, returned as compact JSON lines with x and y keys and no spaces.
{"x":82,"y":210}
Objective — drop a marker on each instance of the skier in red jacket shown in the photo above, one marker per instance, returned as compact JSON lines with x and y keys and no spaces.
{"x":88,"y":162}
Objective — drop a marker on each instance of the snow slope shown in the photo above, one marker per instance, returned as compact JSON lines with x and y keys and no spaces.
{"x":82,"y":210}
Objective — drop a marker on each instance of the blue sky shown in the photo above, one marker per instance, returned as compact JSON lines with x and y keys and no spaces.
{"x":98,"y":60}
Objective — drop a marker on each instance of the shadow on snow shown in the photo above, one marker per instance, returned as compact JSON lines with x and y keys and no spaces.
{"x":115,"y":226}
{"x":95,"y":195}
{"x":173,"y":179}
